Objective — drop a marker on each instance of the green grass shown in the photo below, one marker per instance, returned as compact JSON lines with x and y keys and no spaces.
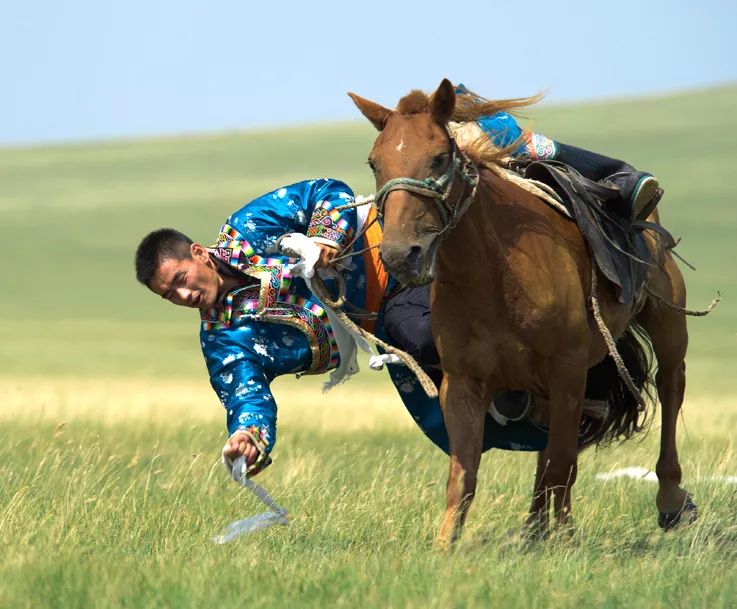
{"x":113,"y":513}
{"x":109,"y":433}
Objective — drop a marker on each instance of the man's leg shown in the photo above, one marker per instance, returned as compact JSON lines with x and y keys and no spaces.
{"x":638,"y":189}
{"x":407,"y":325}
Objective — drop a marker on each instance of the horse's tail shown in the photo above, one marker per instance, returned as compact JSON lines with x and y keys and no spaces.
{"x":626,"y":416}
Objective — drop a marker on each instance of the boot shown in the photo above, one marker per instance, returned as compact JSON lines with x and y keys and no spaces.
{"x":640,"y":191}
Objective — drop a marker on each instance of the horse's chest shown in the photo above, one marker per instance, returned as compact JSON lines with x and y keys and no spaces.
{"x":501,"y":334}
{"x":481,"y":345}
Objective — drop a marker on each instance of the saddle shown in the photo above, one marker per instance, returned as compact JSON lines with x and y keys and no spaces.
{"x":616,"y":243}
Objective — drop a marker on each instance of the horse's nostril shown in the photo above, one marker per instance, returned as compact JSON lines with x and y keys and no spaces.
{"x":413,"y":256}
{"x":402,"y":261}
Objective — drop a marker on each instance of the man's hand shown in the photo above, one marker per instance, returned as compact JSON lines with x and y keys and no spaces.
{"x":327,"y":253}
{"x":239,"y":444}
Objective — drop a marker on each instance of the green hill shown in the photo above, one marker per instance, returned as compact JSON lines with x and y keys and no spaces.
{"x":71,"y":217}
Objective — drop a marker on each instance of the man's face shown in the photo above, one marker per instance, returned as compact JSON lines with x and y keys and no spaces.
{"x":189,"y":282}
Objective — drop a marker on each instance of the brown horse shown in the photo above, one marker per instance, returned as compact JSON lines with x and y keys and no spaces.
{"x":511,"y":294}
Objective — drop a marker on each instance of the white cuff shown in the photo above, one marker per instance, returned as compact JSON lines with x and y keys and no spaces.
{"x":376,"y":362}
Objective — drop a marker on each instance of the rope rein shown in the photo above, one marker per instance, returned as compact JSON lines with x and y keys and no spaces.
{"x":612,"y":345}
{"x":674,"y":307}
{"x":322,"y":293}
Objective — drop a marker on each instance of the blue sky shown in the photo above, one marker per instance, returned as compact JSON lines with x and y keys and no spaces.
{"x":83,"y":69}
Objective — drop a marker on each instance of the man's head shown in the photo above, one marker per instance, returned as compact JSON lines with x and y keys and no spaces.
{"x":171,"y":265}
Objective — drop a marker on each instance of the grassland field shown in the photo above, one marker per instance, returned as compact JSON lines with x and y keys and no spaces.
{"x":110,"y":489}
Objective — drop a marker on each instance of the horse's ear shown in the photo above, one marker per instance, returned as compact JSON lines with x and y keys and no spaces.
{"x":443,"y":102}
{"x":376,"y":113}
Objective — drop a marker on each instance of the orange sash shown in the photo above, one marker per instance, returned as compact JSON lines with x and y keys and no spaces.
{"x":377,"y":279}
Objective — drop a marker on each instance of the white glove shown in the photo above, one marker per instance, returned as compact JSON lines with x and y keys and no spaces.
{"x":297,"y":245}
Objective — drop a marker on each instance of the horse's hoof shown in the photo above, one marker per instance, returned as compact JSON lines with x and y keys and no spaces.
{"x":533,"y":531}
{"x":686,"y":515}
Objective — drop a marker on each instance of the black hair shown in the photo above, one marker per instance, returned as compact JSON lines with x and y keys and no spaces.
{"x":160,"y":245}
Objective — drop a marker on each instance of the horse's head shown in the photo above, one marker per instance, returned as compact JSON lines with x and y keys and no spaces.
{"x":415,"y":163}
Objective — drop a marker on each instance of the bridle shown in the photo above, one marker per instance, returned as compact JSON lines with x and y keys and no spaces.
{"x":438,"y":189}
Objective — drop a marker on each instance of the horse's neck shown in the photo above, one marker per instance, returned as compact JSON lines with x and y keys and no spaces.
{"x":497,"y":250}
{"x":489,"y":226}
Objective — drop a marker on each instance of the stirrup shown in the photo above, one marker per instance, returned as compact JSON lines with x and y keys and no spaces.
{"x":510,"y":406}
{"x":638,"y":190}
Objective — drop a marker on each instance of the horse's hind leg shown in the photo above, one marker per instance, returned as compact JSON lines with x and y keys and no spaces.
{"x":462,"y":403}
{"x":667,"y":331}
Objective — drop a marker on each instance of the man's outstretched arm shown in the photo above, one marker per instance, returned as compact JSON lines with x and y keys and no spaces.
{"x":243,"y":387}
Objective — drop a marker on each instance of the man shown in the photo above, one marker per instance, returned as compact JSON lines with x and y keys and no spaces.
{"x":259,"y":321}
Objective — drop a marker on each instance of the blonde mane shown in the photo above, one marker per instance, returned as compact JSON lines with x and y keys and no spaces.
{"x":470,"y":106}
{"x":468,"y":135}
{"x":471,"y":139}
{"x":478,"y":146}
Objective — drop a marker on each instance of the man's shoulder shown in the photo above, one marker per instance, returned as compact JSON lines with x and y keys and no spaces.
{"x":297,"y":192}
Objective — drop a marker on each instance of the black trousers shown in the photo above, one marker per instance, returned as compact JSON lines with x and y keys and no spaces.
{"x":589,"y":164}
{"x":407,"y":326}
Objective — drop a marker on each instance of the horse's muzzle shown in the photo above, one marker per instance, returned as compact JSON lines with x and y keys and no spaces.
{"x":410,"y":265}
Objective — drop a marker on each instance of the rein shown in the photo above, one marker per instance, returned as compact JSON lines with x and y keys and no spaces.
{"x":439,"y":190}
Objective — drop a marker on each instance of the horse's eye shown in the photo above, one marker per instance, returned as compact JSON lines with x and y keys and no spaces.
{"x":372,"y":165}
{"x":439,"y":161}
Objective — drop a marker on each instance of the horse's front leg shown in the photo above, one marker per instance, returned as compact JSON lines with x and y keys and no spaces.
{"x":538,"y":520}
{"x":463,"y":405}
{"x":560,"y":468}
